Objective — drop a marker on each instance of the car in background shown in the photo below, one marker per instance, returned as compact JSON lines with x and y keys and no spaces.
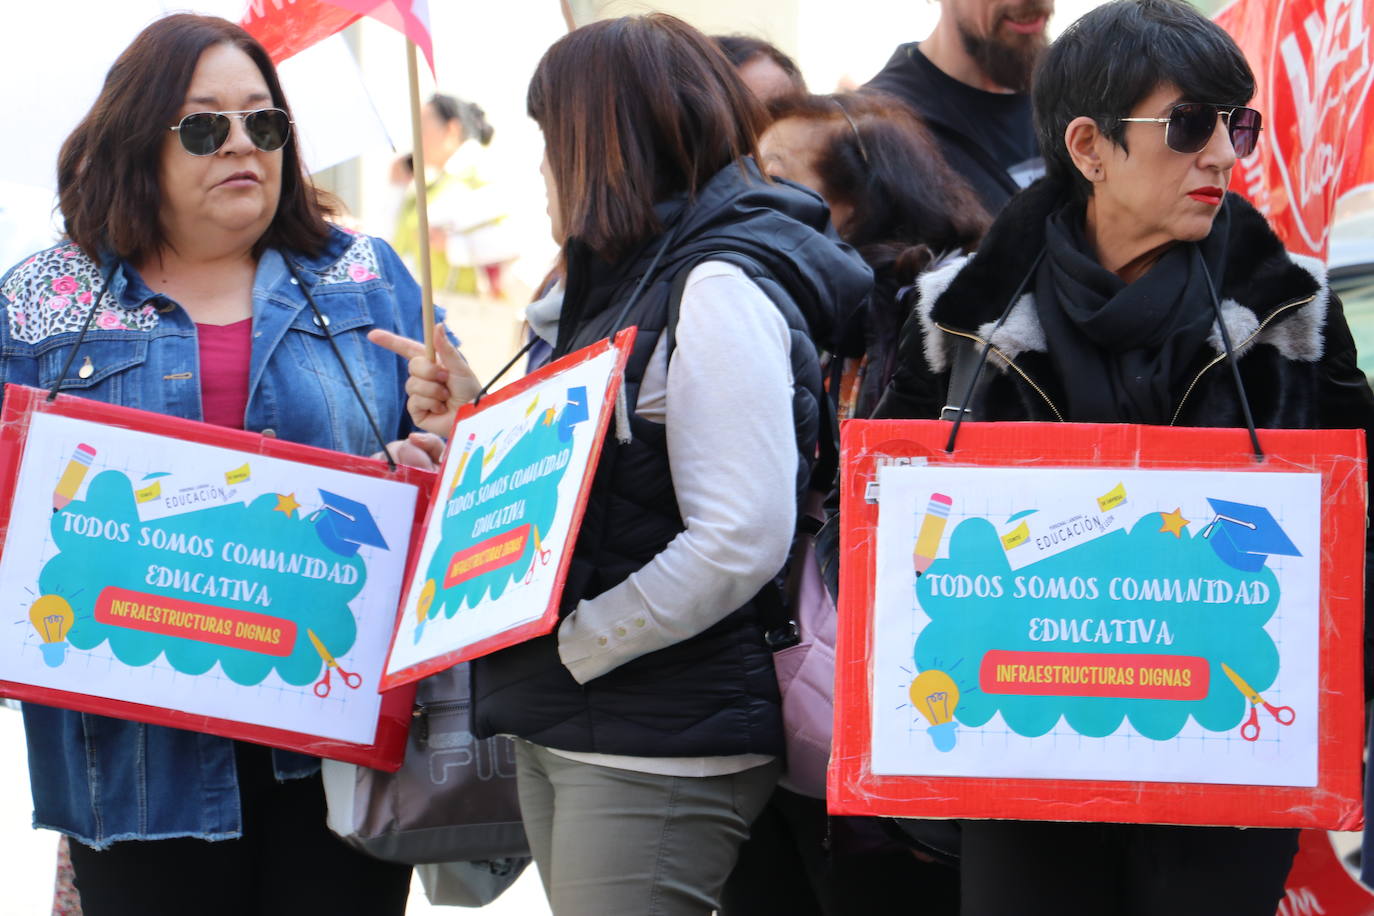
{"x":1350,"y":271}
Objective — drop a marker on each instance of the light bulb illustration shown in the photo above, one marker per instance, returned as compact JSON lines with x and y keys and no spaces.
{"x":935,"y":695}
{"x":422,"y":606}
{"x":52,"y":617}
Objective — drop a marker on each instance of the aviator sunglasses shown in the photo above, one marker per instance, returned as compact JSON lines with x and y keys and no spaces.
{"x":1191,"y":125}
{"x":204,"y":132}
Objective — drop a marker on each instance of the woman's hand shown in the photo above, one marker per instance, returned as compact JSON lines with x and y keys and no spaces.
{"x":435,"y":390}
{"x":418,"y":450}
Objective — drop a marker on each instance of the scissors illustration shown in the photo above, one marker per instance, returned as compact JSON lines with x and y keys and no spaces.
{"x":1250,"y":731}
{"x":541,"y":557}
{"x":350,"y":679}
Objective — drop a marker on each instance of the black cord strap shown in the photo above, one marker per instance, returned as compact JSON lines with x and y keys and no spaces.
{"x":323,"y":322}
{"x":85,"y":326}
{"x":987,"y":348}
{"x":634,"y":297}
{"x":644,"y":278}
{"x":1230,"y":356}
{"x":504,"y":369}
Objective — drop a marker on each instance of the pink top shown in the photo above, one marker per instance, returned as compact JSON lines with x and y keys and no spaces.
{"x":225,"y":350}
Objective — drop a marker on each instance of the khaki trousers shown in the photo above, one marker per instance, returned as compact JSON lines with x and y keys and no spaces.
{"x":611,"y":842}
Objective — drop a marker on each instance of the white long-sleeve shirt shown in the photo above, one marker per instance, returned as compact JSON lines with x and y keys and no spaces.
{"x":726,"y":399}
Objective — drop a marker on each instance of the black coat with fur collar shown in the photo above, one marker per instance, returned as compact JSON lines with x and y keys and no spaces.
{"x":1289,"y":335}
{"x":1292,"y":345}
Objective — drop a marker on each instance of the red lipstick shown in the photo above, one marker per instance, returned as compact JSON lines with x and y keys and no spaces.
{"x":1208,"y":195}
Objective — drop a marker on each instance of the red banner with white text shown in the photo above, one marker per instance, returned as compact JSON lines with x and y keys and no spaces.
{"x":1313,"y":75}
{"x":286,"y":29}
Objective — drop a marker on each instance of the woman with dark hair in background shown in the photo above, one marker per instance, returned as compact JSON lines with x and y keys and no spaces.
{"x":650,"y":719}
{"x":891,"y":196}
{"x":196,"y":245}
{"x":769,"y":73}
{"x":895,"y":200}
{"x":467,"y":209}
{"x":1149,"y":292}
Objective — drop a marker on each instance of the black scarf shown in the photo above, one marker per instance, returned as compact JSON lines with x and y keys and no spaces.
{"x":1121,"y":350}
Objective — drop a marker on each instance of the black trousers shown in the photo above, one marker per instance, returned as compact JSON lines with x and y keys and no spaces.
{"x":1033,"y":868}
{"x":287,"y":863}
{"x":798,"y":861}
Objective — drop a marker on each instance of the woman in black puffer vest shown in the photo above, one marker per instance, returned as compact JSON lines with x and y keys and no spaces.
{"x":650,"y":718}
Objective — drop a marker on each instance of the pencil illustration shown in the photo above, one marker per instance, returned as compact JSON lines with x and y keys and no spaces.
{"x":932,"y":529}
{"x":71,"y":478}
{"x":463,"y":461}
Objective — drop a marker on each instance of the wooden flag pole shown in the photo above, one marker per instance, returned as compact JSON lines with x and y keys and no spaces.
{"x":421,"y":201}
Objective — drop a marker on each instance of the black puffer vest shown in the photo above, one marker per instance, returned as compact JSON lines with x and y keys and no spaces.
{"x":714,"y":693}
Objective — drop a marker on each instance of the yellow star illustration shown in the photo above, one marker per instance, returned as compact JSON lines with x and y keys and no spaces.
{"x":1174,"y":522}
{"x":286,"y":504}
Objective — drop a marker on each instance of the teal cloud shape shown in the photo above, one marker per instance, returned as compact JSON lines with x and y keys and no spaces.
{"x":102,"y":543}
{"x":520,"y":491}
{"x":1077,"y":586}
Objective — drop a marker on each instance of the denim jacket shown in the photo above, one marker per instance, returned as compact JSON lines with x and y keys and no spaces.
{"x":99,"y":779}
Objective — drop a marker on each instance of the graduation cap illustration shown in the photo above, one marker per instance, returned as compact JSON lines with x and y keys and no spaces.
{"x":574,"y":412}
{"x":1244,"y":536}
{"x":344,"y":524}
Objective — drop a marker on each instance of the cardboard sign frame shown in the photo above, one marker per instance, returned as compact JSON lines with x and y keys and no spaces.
{"x":22,"y":403}
{"x":1338,"y":455}
{"x":622,"y":343}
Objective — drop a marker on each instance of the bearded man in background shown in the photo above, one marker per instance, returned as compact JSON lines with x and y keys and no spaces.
{"x":969,"y":82}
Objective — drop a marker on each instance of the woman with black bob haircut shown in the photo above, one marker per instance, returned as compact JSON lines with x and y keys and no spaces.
{"x":649,"y":720}
{"x":1129,"y":287}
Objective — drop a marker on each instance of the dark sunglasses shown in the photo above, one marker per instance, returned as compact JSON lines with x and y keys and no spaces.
{"x":1191,"y":125}
{"x":204,"y":132}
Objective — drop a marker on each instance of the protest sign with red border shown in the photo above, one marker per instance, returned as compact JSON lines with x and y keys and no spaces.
{"x":147,"y":595}
{"x":1214,"y":625}
{"x":490,"y":568}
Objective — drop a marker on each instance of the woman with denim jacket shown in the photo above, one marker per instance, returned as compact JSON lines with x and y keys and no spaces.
{"x":195,"y":242}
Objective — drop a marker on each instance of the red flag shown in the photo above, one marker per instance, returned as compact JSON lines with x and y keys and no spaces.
{"x":1319,"y":883}
{"x":287,"y":27}
{"x":1313,"y":72}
